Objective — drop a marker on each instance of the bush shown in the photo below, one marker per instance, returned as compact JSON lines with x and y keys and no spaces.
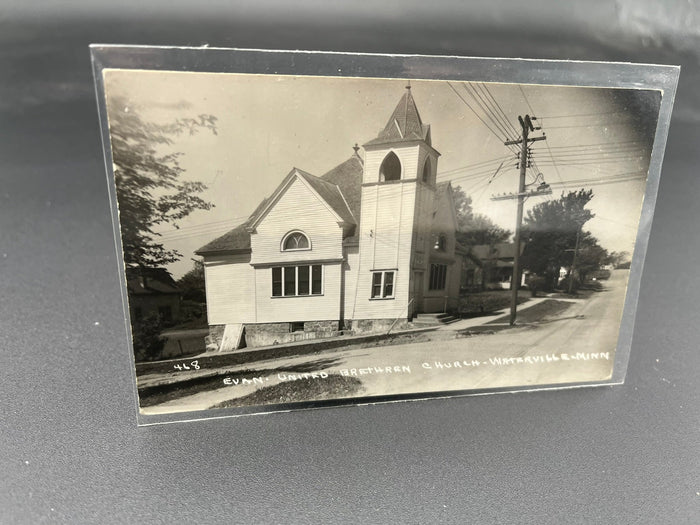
{"x":564,"y":284}
{"x":486,"y":302}
{"x":148,"y":344}
{"x":536,"y":284}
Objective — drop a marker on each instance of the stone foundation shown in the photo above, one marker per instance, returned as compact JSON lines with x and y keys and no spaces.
{"x":373,"y":326}
{"x":265,"y":334}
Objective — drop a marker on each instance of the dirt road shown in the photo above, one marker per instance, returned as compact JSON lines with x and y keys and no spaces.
{"x":576,"y":346}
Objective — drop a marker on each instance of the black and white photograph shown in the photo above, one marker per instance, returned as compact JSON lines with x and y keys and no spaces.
{"x":292,"y":239}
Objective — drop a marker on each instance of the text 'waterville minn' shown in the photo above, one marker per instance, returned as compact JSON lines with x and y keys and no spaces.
{"x":425,"y":366}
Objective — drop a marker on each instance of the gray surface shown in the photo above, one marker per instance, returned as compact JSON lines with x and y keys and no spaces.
{"x":69,"y":448}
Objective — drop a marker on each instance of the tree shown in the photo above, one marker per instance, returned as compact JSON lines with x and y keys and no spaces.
{"x":618,"y":259}
{"x":148,"y":177}
{"x":550,"y":231}
{"x":192,"y":284}
{"x":475,"y":228}
{"x":591,"y":256}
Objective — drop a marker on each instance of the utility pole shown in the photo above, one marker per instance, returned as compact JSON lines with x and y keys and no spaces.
{"x":573,"y":262}
{"x":542,"y":189}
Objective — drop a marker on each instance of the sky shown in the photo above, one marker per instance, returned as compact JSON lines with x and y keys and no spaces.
{"x":597,"y":138}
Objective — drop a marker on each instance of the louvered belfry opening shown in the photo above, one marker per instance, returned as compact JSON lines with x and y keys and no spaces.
{"x":390,"y":168}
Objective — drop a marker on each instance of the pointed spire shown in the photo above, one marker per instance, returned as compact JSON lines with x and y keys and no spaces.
{"x":405,"y":123}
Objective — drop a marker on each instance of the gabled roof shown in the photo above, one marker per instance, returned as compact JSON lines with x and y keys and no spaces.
{"x":150,"y":281}
{"x":340,"y":188}
{"x":330,"y":193}
{"x":348,"y":177}
{"x":404,"y":125}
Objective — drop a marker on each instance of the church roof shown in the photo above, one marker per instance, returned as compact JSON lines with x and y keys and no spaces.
{"x":348,"y":177}
{"x":340,"y":188}
{"x":404,"y":125}
{"x":332,"y":194}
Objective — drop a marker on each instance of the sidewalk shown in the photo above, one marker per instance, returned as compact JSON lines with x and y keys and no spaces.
{"x":212,"y":364}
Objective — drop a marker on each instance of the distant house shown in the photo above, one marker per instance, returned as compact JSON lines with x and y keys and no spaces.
{"x":152,"y":291}
{"x":496,"y":262}
{"x":367,"y":244}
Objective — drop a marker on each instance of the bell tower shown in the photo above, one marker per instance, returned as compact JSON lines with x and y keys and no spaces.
{"x":398,"y":194}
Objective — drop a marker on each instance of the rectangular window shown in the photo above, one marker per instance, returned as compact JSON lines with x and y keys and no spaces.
{"x":290,"y":274}
{"x":377,"y":284}
{"x":292,"y":281}
{"x":382,"y":285}
{"x":277,"y":282}
{"x":438,"y":276}
{"x":303,"y":272}
{"x":316,"y":279}
{"x":388,"y":284}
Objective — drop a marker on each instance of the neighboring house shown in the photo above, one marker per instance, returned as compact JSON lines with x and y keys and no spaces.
{"x":368,"y":243}
{"x":496,"y":264}
{"x":152,"y":291}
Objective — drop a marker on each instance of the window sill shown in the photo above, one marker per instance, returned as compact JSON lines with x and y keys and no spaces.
{"x":296,"y":296}
{"x":382,"y":298}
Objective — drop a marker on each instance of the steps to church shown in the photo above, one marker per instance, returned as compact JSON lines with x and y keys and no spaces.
{"x":435,"y":319}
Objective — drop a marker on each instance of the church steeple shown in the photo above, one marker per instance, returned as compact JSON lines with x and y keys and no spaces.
{"x":404,"y":125}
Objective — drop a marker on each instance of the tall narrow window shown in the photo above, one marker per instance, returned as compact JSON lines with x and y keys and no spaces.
{"x":290,"y":280}
{"x":382,"y":285}
{"x":438,"y":276}
{"x":390,"y":168}
{"x":316,"y":279}
{"x":277,"y":282}
{"x":377,"y":284}
{"x":303,"y":280}
{"x":388,"y":284}
{"x":295,"y":241}
{"x":426,"y":170}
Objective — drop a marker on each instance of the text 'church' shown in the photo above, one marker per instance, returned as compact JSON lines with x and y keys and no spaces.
{"x":365,"y":247}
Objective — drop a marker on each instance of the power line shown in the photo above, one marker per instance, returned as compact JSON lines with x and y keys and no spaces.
{"x":591,"y":125}
{"x":583,"y":115}
{"x":546,"y":142}
{"x":475,"y":112}
{"x":601,"y":144}
{"x":474,"y":166}
{"x":497,"y":111}
{"x":503,"y":113}
{"x":487,"y":111}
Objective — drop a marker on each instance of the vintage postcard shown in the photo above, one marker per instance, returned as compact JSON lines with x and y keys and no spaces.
{"x":301,"y":236}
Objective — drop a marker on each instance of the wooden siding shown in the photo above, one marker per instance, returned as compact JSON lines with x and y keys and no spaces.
{"x":230,"y":287}
{"x":351,"y":269}
{"x":395,"y":222}
{"x":407,"y":154}
{"x":297,"y":209}
{"x":324,"y":307}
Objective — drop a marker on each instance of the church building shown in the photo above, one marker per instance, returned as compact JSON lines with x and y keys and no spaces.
{"x":362,"y":248}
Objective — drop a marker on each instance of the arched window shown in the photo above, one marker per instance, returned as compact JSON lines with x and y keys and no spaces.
{"x":441,"y":243}
{"x":426,"y":170}
{"x":390,"y":168}
{"x":295,"y":241}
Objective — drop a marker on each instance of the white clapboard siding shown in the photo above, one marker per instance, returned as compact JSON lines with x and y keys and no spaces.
{"x":387,"y":230}
{"x":297,"y":209}
{"x":409,"y":155}
{"x":230,"y":287}
{"x":352,"y":267}
{"x":324,"y":307}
